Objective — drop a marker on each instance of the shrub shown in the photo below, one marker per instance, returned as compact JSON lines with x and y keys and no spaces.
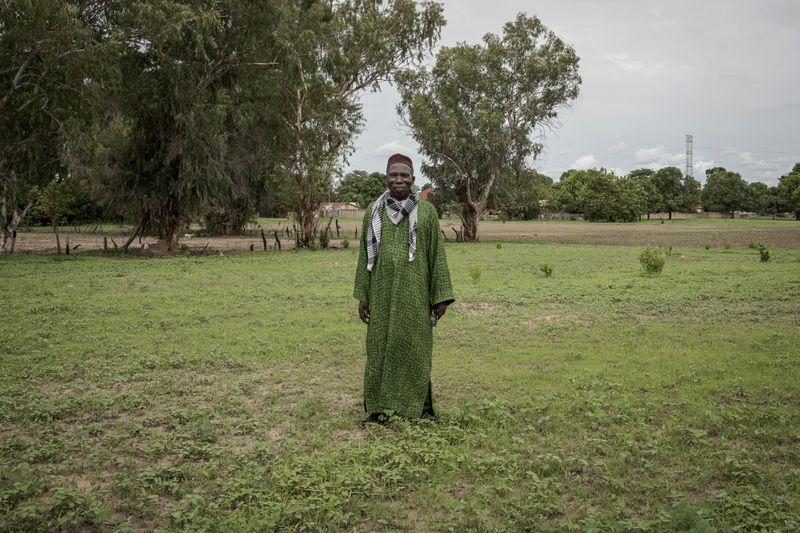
{"x":324,"y":237}
{"x":499,"y":245}
{"x":546,"y":268}
{"x":652,"y":260}
{"x":475,"y":274}
{"x":345,"y":244}
{"x":753,"y":245}
{"x":727,"y":245}
{"x":708,"y":246}
{"x":763,"y":252}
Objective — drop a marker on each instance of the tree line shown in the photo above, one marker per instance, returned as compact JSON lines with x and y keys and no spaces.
{"x":168,"y":111}
{"x":600,"y":195}
{"x":162,"y":112}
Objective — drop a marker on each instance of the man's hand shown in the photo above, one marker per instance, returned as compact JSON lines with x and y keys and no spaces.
{"x":363,"y":311}
{"x":439,"y":310}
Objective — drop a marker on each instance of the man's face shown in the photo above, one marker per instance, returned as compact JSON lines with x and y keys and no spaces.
{"x":399,"y":182}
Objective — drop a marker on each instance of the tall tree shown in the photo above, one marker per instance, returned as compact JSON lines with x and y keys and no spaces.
{"x":46,"y":49}
{"x":606,"y":197}
{"x":520,"y":196}
{"x":690,"y":195}
{"x":724,"y":191}
{"x":180,"y":114}
{"x":475,"y":112}
{"x":653,"y":201}
{"x":667,"y":182}
{"x":331,"y":53}
{"x":757,"y":197}
{"x":789,"y":190}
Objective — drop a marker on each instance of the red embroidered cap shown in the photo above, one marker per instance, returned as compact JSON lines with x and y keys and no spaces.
{"x":402,"y":159}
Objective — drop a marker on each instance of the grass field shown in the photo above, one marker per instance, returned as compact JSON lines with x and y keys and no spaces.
{"x":224,"y":393}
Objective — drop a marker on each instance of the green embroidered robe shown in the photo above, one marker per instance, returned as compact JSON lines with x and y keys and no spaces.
{"x":400,"y":295}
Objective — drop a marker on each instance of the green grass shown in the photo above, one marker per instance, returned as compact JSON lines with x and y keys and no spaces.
{"x":224,"y":393}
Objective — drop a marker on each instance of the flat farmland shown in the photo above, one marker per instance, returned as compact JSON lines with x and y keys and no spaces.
{"x":679,"y":232}
{"x":223,"y":393}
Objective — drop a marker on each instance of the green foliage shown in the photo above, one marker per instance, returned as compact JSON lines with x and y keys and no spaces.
{"x":492,"y":95}
{"x":27,"y":503}
{"x":667,"y":181}
{"x":601,"y":196}
{"x":652,"y":260}
{"x":229,"y":220}
{"x":475,"y":274}
{"x":329,"y":55}
{"x":520,"y":196}
{"x":46,"y":49}
{"x":345,"y":244}
{"x":546,"y":268}
{"x":727,"y":245}
{"x":360,"y":187}
{"x":724,"y":191}
{"x":788,"y":191}
{"x":64,"y":201}
{"x":763,"y":253}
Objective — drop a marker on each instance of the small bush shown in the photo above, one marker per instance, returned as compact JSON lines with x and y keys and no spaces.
{"x":475,"y":274}
{"x":324,"y":237}
{"x":708,"y":246}
{"x":652,"y":260}
{"x":499,"y":246}
{"x":345,"y":244}
{"x":727,"y":245}
{"x":763,"y":252}
{"x":753,"y":245}
{"x":546,"y":268}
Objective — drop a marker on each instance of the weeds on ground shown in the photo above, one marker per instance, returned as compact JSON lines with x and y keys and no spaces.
{"x":652,"y":260}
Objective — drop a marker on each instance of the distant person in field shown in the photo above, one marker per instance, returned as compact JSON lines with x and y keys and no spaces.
{"x":403,"y":288}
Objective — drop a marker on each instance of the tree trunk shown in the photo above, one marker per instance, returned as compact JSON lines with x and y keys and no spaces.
{"x":797,"y":215}
{"x":670,"y":215}
{"x":13,"y":242}
{"x":306,"y":222}
{"x":139,"y":229}
{"x":469,"y":220}
{"x":10,"y":225}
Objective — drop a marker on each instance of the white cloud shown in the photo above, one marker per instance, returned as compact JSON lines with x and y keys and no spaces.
{"x":657,"y":157}
{"x":585,"y":162}
{"x":635,"y":66}
{"x":620,"y":146}
{"x":393,"y":147}
{"x":747,"y":159}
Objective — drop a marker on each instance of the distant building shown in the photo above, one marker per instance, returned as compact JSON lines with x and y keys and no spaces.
{"x":340,"y":209}
{"x":427,"y":193}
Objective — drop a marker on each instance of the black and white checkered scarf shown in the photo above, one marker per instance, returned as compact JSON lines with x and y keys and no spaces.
{"x":396,"y":210}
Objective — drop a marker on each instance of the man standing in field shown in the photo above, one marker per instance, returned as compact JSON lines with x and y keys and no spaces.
{"x":403,"y":287}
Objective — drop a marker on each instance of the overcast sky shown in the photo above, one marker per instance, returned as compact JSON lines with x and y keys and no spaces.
{"x":727,"y":72}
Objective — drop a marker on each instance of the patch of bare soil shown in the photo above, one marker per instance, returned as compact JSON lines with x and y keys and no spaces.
{"x":478,"y":308}
{"x":641,"y":234}
{"x":669,"y":234}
